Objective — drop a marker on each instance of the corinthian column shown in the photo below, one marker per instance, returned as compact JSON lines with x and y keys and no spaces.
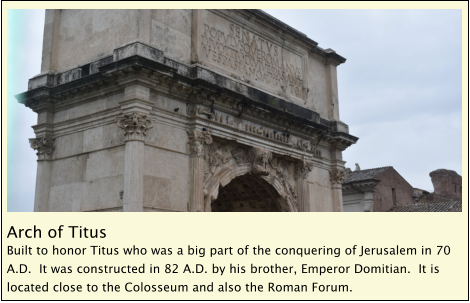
{"x":136,"y":107}
{"x":303,"y":194}
{"x":337,"y":177}
{"x":197,"y":139}
{"x":135,"y":128}
{"x":44,"y":145}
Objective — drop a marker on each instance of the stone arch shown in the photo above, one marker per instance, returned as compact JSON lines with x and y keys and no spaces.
{"x":228,"y":173}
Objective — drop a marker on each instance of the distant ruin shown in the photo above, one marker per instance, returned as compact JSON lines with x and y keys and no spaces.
{"x":447,"y":186}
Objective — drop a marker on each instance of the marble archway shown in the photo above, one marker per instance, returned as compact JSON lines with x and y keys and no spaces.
{"x":215,"y":164}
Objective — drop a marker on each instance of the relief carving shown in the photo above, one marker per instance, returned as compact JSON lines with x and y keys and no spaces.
{"x":316,"y":152}
{"x":135,"y":126}
{"x":239,"y":155}
{"x":283,"y":137}
{"x":303,"y":144}
{"x":212,"y":115}
{"x":260,"y":158}
{"x":205,"y":111}
{"x":282,"y":175}
{"x":44,"y":145}
{"x":255,"y":161}
{"x":229,"y":121}
{"x":216,"y":158}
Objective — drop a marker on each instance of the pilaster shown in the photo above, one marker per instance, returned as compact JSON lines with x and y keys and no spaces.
{"x":197,"y":139}
{"x":337,"y":177}
{"x":302,"y":169}
{"x":135,"y":124}
{"x":44,"y":145}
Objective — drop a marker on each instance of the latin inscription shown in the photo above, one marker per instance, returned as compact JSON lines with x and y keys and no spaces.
{"x":251,"y":56}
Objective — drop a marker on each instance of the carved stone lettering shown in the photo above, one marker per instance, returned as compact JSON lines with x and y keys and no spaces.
{"x":249,"y":57}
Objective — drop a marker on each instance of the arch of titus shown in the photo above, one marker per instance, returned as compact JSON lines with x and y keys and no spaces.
{"x":185,"y":110}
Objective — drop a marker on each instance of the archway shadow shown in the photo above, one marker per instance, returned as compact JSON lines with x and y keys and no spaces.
{"x":247,"y":193}
{"x":276,"y":199}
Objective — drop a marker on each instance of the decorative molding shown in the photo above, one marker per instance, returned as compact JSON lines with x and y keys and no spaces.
{"x":196,"y":142}
{"x":160,"y":70}
{"x":44,"y":145}
{"x":228,"y":121}
{"x":135,"y":126}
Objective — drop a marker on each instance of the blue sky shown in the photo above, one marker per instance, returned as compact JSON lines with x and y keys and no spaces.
{"x":400,"y":90}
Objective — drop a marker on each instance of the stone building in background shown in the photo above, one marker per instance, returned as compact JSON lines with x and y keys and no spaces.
{"x":447,"y":195}
{"x":377,"y":189}
{"x":419,"y":195}
{"x":185,"y":110}
{"x":447,"y":186}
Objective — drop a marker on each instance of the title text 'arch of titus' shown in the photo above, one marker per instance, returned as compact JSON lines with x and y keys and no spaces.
{"x":185,"y":110}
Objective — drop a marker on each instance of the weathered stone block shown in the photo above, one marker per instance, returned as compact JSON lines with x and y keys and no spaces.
{"x":172,"y":42}
{"x":105,"y":163}
{"x":92,"y":139}
{"x":112,"y":135}
{"x":46,"y":79}
{"x":172,"y":166}
{"x":87,"y":108}
{"x":68,"y":145}
{"x":138,"y":48}
{"x":168,"y":137}
{"x":66,"y":197}
{"x":113,"y":100}
{"x":68,"y":170}
{"x":157,"y":192}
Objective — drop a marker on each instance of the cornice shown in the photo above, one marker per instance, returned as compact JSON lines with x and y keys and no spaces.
{"x":138,"y":62}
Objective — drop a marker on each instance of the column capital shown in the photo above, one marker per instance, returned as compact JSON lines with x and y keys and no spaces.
{"x":135,"y":126}
{"x":302,"y":169}
{"x":44,"y":145}
{"x":196,"y":142}
{"x":337,"y":176}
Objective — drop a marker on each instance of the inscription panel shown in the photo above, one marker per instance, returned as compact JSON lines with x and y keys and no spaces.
{"x":236,"y":51}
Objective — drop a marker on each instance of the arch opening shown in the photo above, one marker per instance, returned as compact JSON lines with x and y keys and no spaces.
{"x":248,"y":193}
